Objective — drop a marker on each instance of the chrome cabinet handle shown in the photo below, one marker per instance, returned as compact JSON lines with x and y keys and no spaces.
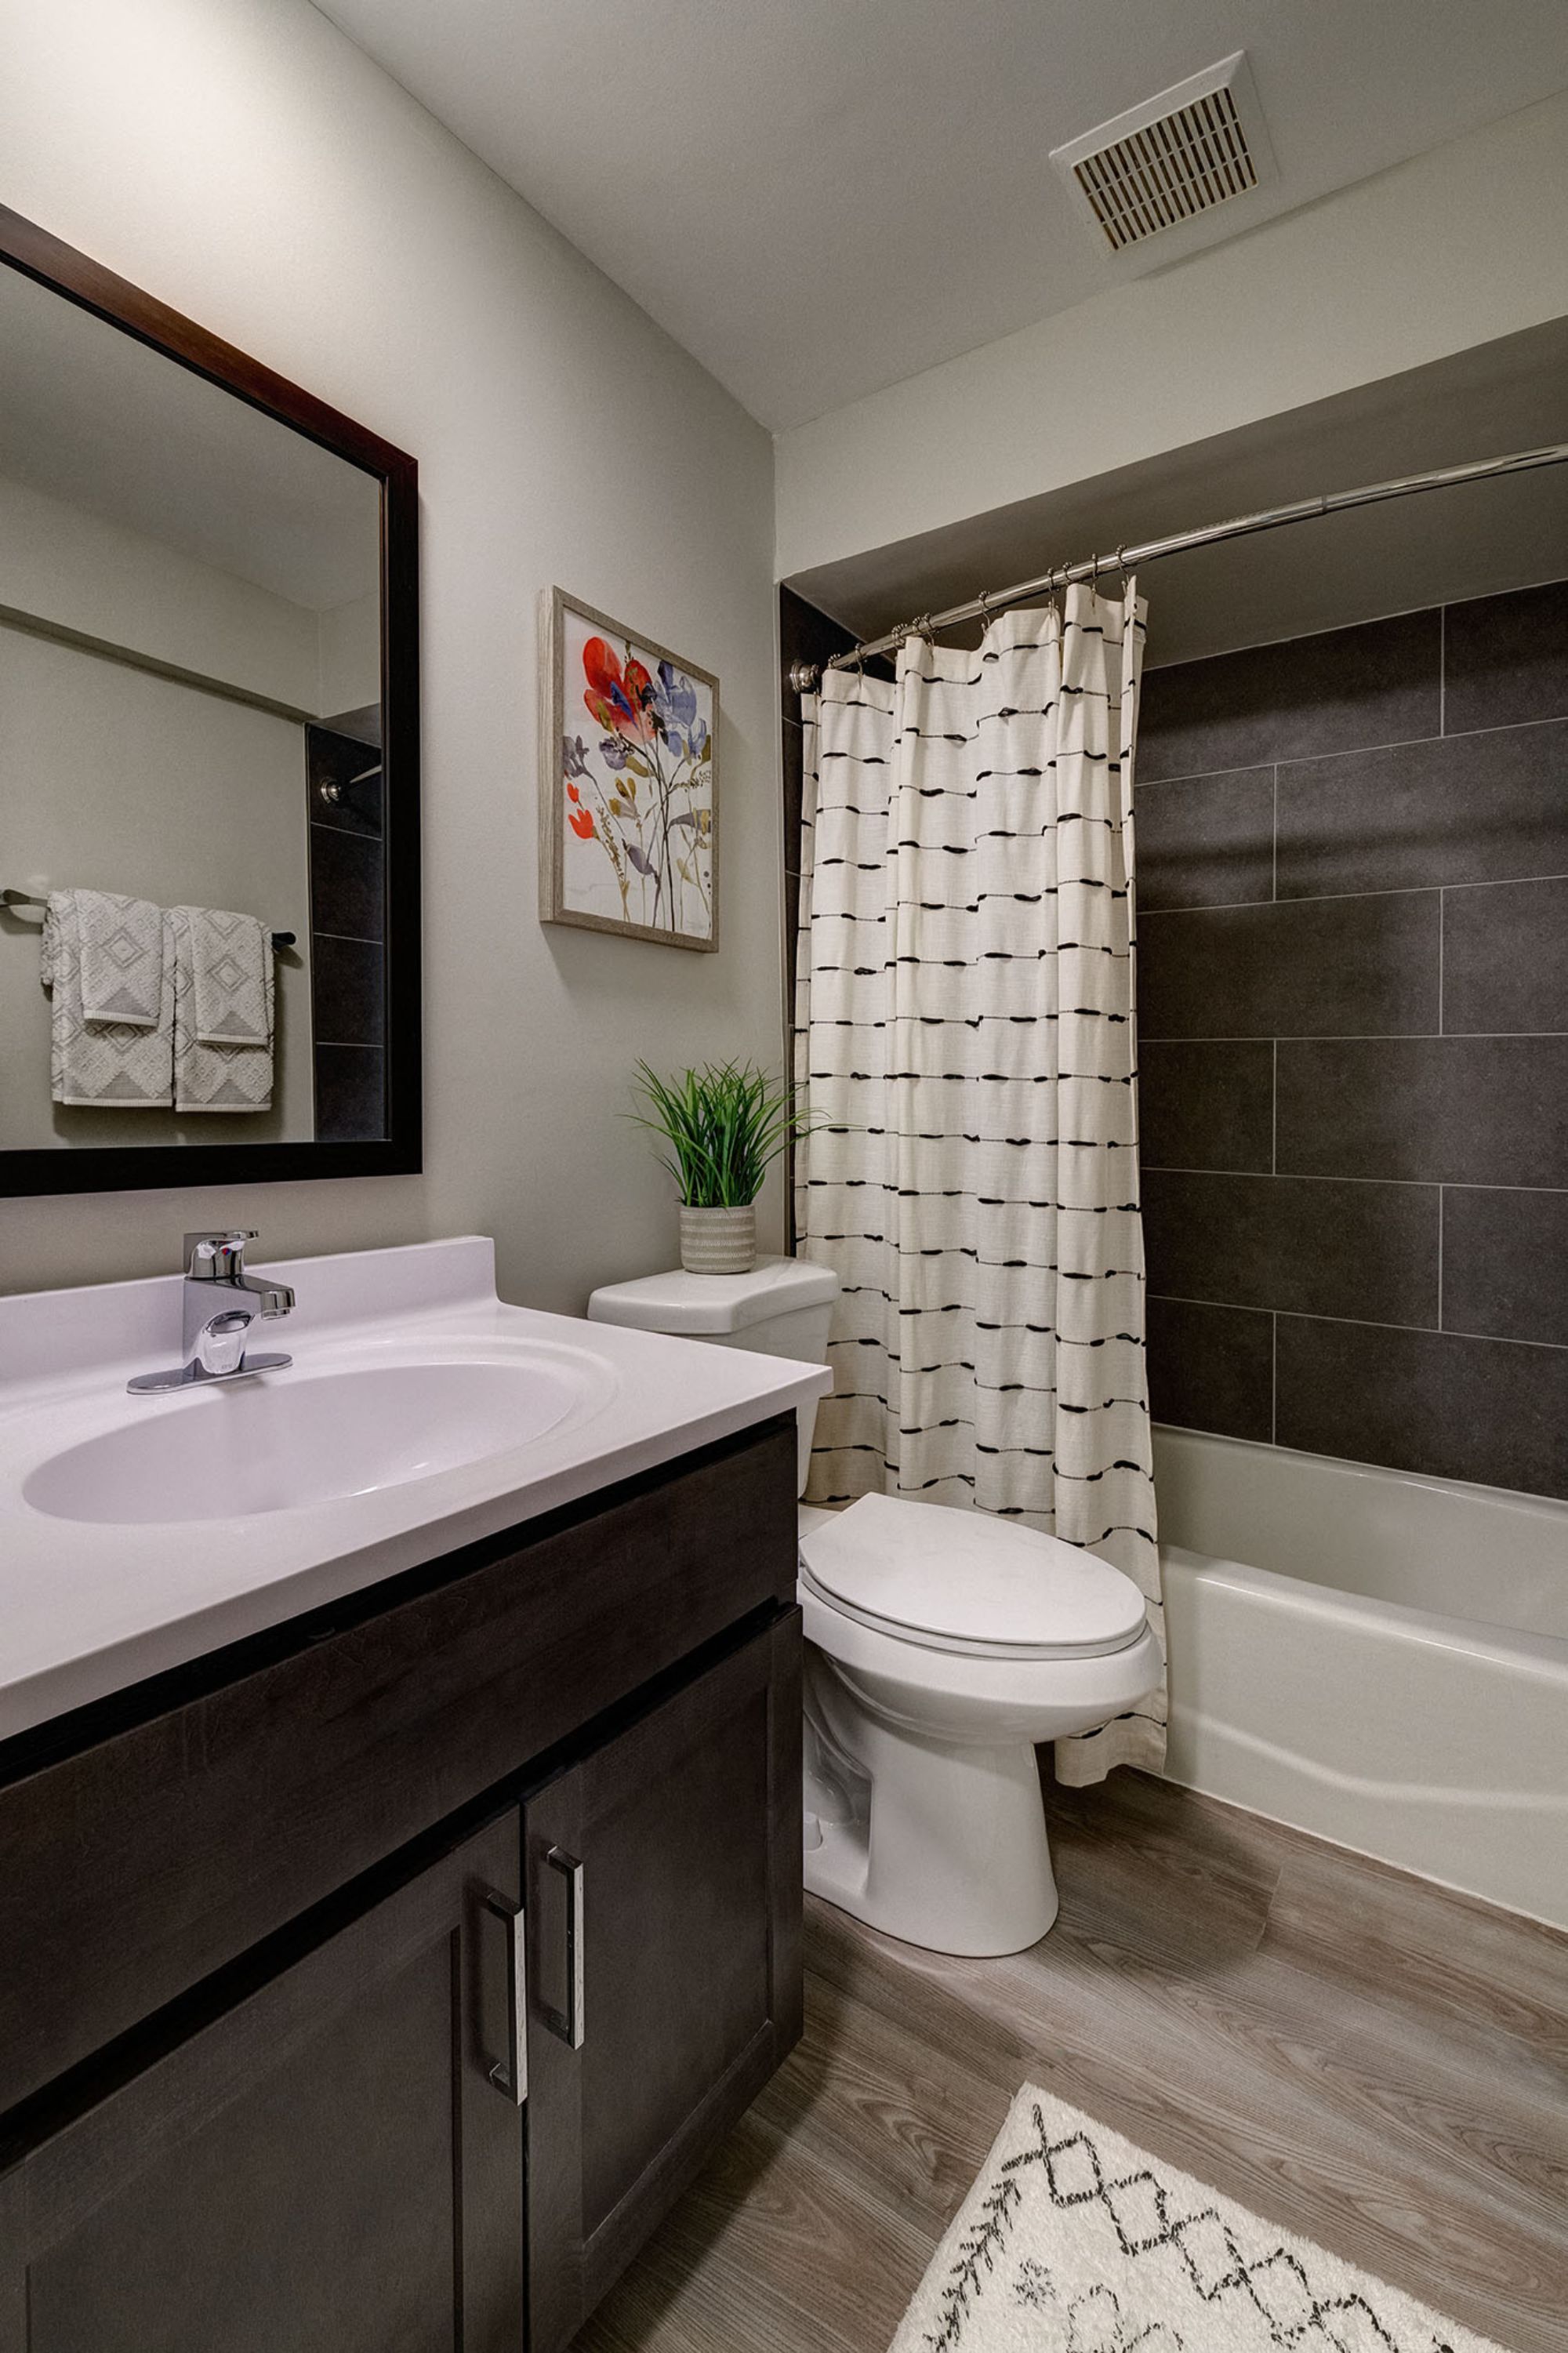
{"x":510,"y":2074}
{"x":568,"y":2023}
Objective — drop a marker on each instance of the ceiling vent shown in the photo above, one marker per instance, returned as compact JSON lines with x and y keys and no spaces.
{"x":1164,"y":165}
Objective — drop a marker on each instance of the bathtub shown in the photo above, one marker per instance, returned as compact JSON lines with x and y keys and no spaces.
{"x":1379,"y":1659}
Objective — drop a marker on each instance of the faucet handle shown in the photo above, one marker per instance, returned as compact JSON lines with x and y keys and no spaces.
{"x":217,"y":1257}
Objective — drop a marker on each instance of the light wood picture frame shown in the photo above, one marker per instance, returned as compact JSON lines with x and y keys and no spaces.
{"x":628,"y":782}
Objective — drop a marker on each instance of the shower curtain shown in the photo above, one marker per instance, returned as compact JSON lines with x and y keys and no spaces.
{"x":965,"y":1044}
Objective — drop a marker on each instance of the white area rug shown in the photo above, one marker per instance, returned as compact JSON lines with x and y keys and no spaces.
{"x":1074,"y":2241}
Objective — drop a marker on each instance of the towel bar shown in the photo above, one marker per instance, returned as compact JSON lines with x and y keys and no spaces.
{"x":31,"y":898}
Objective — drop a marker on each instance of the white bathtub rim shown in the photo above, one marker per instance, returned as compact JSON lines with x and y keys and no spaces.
{"x":1432,"y":1796}
{"x":1514,"y":1905}
{"x":1349,"y":1689}
{"x":1406,"y":1542}
{"x":1545,"y":1655}
{"x":1432,"y":1482}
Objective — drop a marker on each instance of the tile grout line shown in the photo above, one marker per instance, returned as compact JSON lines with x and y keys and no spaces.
{"x":1441,"y":1213}
{"x":1442,"y":927}
{"x":1274,"y":1379}
{"x":1361,"y":1323}
{"x":1322,"y":1176}
{"x":1334,"y":898}
{"x":1274,"y":866}
{"x":1350,"y":752}
{"x":1442,"y":671}
{"x":1333,"y":1037}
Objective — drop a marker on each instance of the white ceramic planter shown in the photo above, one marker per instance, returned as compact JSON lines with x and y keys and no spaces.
{"x":719,"y":1241}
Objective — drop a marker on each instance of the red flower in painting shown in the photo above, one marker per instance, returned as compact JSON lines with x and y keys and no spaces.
{"x":581,"y":822}
{"x":618,"y":699}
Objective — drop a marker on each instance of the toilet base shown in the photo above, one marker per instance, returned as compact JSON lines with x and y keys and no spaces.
{"x":943,"y":1846}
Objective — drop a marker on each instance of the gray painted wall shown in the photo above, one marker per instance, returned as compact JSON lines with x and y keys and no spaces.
{"x":246,"y":163}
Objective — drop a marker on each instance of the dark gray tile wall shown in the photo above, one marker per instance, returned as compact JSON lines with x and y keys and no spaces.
{"x":1210,"y":846}
{"x":1363,"y":967}
{"x":1353,"y":1009}
{"x":1212,"y":1368}
{"x":1208,"y":1103}
{"x":348,"y":953}
{"x":1319,"y":1249}
{"x":1338,"y":691}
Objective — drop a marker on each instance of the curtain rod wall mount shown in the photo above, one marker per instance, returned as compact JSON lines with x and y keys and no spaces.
{"x":803,"y":676}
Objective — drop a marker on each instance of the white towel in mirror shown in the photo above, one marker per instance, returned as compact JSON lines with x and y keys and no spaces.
{"x":121,"y":958}
{"x":97,"y":1064}
{"x":231,"y":958}
{"x":223,"y":978}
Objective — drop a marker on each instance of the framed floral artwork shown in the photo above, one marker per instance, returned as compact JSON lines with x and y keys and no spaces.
{"x":629,"y":783}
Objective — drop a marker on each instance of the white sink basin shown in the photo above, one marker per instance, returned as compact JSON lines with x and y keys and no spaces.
{"x":282,"y":1442}
{"x":421,"y":1414}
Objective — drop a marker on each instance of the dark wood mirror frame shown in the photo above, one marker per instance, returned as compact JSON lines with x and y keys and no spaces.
{"x":131,"y":1169}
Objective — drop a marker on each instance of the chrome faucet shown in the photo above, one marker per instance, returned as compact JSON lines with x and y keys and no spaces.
{"x":221,"y":1302}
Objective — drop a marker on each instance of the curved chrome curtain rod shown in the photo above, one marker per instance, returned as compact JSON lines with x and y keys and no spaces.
{"x":803,"y":676}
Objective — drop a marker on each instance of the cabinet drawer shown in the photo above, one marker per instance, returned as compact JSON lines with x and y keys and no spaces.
{"x":132,"y":1869}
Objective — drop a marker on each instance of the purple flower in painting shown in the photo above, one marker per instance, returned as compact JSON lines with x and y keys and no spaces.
{"x":675,"y":697}
{"x":674,"y":702}
{"x":614,"y":752}
{"x":573,"y":755}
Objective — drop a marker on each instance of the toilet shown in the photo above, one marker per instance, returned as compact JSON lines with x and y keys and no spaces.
{"x":941,"y":1646}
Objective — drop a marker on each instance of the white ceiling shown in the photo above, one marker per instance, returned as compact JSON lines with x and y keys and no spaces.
{"x":819,"y":197}
{"x":89,"y":415}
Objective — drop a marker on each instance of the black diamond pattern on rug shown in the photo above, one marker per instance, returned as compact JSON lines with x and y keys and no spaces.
{"x":1216,"y":2274}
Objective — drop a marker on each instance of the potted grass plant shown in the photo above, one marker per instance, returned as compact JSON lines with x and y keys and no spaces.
{"x":722,"y":1126}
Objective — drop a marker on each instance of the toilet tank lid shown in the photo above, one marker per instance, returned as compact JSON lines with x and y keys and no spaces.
{"x":972,"y":1577}
{"x":679,"y":1301}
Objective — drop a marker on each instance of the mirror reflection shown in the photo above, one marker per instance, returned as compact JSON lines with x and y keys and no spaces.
{"x":192,"y":936}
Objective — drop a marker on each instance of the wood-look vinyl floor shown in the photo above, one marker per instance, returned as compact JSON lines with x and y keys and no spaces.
{"x":1357,"y":2054}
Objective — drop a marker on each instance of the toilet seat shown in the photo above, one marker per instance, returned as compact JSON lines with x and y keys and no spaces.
{"x":967,"y":1583}
{"x":957,"y":1646}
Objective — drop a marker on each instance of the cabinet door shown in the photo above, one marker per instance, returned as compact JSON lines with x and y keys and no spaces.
{"x":326,"y":2166}
{"x":664,"y":1901}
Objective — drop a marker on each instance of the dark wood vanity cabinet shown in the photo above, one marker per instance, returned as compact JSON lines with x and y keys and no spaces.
{"x":322,"y":2167}
{"x":664,"y":1964}
{"x":319,"y":2147}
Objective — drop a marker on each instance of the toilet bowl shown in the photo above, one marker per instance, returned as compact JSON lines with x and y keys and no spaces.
{"x":942,"y":1646}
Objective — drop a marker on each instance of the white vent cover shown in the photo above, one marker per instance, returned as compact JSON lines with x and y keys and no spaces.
{"x":1164,"y":165}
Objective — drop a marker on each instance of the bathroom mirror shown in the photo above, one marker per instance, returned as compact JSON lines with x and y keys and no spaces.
{"x":209,"y":902}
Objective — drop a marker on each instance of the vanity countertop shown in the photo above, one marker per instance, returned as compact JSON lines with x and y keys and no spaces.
{"x":121,"y":1555}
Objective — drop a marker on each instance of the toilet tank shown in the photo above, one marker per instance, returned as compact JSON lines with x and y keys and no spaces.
{"x":783,"y":1307}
